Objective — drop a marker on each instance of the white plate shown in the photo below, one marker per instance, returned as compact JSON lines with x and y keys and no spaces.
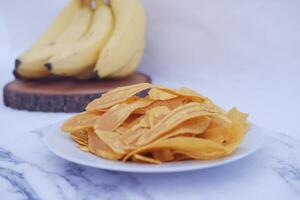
{"x":61,"y":145}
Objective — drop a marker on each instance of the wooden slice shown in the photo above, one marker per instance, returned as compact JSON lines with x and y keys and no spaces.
{"x":61,"y":95}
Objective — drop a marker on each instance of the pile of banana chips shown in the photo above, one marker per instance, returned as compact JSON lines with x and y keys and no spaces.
{"x":164,"y":126}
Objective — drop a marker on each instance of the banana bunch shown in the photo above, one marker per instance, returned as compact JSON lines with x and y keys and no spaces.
{"x":88,"y":38}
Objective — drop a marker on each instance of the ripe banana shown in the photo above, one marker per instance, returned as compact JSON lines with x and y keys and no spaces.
{"x":31,"y":64}
{"x":80,"y":57}
{"x":87,"y":74}
{"x":125,"y":71}
{"x":77,"y":27}
{"x":58,"y":25}
{"x":131,"y":66}
{"x":127,"y":36}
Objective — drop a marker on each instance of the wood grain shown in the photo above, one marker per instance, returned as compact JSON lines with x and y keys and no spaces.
{"x":61,"y":95}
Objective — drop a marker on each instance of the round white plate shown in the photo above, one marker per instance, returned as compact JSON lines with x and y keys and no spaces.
{"x":61,"y":145}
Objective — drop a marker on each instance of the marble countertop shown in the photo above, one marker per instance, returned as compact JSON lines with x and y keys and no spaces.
{"x":29,"y":171}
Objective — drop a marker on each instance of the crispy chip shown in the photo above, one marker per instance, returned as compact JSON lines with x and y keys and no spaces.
{"x":219,"y":109}
{"x":156,"y":114}
{"x":184,"y":92}
{"x":171,"y":104}
{"x":180,"y":157}
{"x":158,"y":94}
{"x":163,"y":155}
{"x":79,"y":141}
{"x":131,"y":132}
{"x":84,"y":148}
{"x":174,"y":118}
{"x":218,"y":135}
{"x":112,"y":119}
{"x":99,"y":148}
{"x":142,"y":124}
{"x":80,"y":136}
{"x":194,"y":126}
{"x":144,"y":159}
{"x":80,"y":121}
{"x":237,"y":116}
{"x":133,"y":135}
{"x":132,"y":120}
{"x":113,"y":140}
{"x":115,"y":116}
{"x":234,"y":136}
{"x":238,"y":128}
{"x":196,"y":148}
{"x":116,"y":96}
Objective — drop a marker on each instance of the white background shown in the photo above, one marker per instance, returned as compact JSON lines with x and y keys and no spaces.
{"x":243,"y":53}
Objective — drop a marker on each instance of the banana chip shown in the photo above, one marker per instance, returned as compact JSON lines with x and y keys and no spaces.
{"x":184,"y":92}
{"x":99,"y":148}
{"x":115,"y":116}
{"x":171,"y":104}
{"x":84,"y":148}
{"x":156,"y":114}
{"x":113,"y":140}
{"x":81,"y":138}
{"x":163,"y":155}
{"x":83,"y":120}
{"x":144,"y":159}
{"x":196,"y":148}
{"x":218,"y":135}
{"x":174,"y":118}
{"x":132,"y":136}
{"x":116,"y":96}
{"x":237,"y":116}
{"x":237,"y":130}
{"x":192,"y":127}
{"x":158,"y":94}
{"x":166,"y":125}
{"x":180,"y":157}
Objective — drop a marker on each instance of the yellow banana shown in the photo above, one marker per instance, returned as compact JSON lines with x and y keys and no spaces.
{"x":31,"y":64}
{"x":58,"y":25}
{"x":129,"y":68}
{"x":79,"y":57}
{"x":87,"y":74}
{"x":125,"y":71}
{"x":127,"y":36}
{"x":78,"y":26}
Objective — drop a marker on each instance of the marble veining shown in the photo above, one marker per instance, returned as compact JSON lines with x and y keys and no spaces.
{"x":29,"y":171}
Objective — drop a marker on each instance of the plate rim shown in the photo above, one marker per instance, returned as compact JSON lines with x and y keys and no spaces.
{"x":154,"y":168}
